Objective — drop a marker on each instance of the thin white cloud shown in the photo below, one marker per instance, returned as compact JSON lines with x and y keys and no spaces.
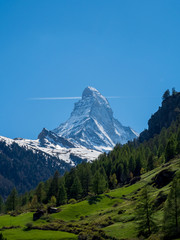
{"x":74,"y":98}
{"x":63,"y":98}
{"x":55,"y":98}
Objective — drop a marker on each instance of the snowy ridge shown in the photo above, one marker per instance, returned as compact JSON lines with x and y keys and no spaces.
{"x":49,"y":147}
{"x":92,"y":124}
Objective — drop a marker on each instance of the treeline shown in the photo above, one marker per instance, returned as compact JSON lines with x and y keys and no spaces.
{"x":109,"y":171}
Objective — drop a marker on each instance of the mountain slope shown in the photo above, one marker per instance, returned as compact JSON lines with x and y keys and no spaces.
{"x":92,"y":124}
{"x":24,"y":163}
{"x":24,"y":167}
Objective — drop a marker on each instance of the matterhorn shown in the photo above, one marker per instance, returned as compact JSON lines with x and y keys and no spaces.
{"x":92,"y":124}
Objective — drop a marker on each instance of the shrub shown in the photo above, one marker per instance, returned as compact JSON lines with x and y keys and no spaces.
{"x":72,"y":201}
{"x":29,"y":226}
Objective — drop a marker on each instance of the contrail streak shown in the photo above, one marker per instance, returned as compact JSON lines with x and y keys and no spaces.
{"x":74,"y":98}
{"x":55,"y":98}
{"x":64,"y":98}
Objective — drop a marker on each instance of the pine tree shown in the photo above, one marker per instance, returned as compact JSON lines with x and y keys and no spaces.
{"x":76,"y":189}
{"x":113,"y":181}
{"x":99,"y":183}
{"x":40,"y":192}
{"x":24,"y":199}
{"x":172,"y":210}
{"x":131,"y":164}
{"x":150,"y":163}
{"x":34,"y":202}
{"x":144,"y":213}
{"x":119,"y":172}
{"x":54,"y":186}
{"x":62,"y":195}
{"x":174,"y":92}
{"x":160,"y":150}
{"x":166,"y":95}
{"x":170,"y":149}
{"x":138,"y":167}
{"x":12,"y":200}
{"x":85,"y":176}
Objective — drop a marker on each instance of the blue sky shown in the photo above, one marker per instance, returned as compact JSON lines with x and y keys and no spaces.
{"x":56,"y":48}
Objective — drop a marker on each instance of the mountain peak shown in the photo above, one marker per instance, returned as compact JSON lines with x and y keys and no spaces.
{"x":95,"y":96}
{"x":90,"y":92}
{"x":92,"y":124}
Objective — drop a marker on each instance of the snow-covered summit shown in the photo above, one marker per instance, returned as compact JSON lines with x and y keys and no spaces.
{"x":92,"y":124}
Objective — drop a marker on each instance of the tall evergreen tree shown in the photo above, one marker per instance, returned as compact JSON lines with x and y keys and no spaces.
{"x":12,"y":200}
{"x":166,"y":94}
{"x":144,"y":213}
{"x":85,"y":176}
{"x":34,"y":202}
{"x":40,"y":192}
{"x":174,"y":92}
{"x":54,"y":186}
{"x":62,"y":195}
{"x":138,"y":167}
{"x":99,"y":183}
{"x":150,"y":163}
{"x":113,"y":181}
{"x":131,"y":164}
{"x":170,"y":149}
{"x":76,"y":188}
{"x":172,"y":210}
{"x":24,"y":199}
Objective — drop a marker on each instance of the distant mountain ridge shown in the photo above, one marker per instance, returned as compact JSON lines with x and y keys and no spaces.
{"x":92,"y":124}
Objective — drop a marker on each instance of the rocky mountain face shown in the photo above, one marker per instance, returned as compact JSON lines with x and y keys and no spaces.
{"x":92,"y":124}
{"x":167,"y":113}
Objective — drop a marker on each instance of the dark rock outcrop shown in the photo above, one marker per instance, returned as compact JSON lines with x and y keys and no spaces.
{"x":38,"y":214}
{"x":163,"y":178}
{"x":168,"y":112}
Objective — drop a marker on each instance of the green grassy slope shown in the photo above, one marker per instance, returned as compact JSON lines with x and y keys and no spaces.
{"x":112,"y":212}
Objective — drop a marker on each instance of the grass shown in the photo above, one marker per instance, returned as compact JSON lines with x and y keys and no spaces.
{"x":19,"y":234}
{"x":20,"y":220}
{"x":75,"y":211}
{"x":122,"y":230}
{"x":113,"y":212}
